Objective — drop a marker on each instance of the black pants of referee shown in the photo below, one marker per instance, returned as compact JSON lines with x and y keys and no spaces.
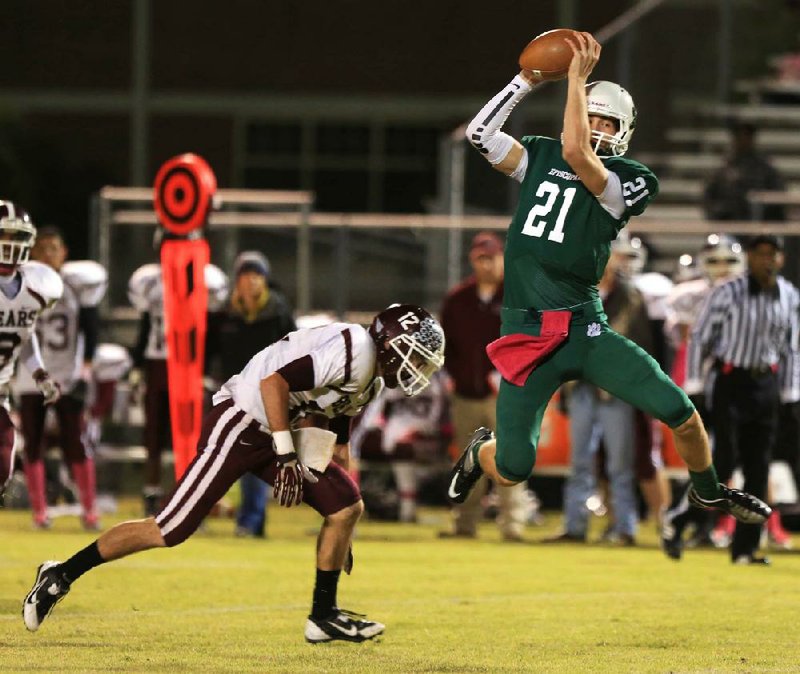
{"x":744,"y":417}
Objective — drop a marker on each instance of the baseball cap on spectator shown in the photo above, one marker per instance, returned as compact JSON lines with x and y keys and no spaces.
{"x":251,"y":261}
{"x":758,"y":239}
{"x":486,"y":244}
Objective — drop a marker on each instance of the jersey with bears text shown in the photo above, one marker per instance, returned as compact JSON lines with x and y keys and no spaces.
{"x":61,"y":341}
{"x":559,"y":238}
{"x":41,"y":287}
{"x":343,"y":356}
{"x":146,"y":293}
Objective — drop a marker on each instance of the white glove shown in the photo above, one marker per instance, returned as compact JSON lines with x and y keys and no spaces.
{"x":47,"y":386}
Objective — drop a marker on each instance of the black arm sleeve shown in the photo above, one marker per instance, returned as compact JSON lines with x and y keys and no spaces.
{"x":340,"y":426}
{"x":137,"y":353}
{"x":213,"y":347}
{"x":89,"y":325}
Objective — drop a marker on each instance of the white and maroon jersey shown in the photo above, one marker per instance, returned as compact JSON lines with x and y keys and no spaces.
{"x":655,"y":289}
{"x":684,"y":304}
{"x":146,"y":293}
{"x":61,"y":341}
{"x":336,"y":361}
{"x":401,"y":418}
{"x":40,"y":288}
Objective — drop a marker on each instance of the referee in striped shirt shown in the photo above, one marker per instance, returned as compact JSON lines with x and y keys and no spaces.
{"x":748,"y":329}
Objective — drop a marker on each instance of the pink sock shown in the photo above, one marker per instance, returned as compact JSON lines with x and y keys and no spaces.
{"x":34,"y":478}
{"x":84,"y":475}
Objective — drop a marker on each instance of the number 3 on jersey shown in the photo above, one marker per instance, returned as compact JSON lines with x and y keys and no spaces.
{"x":534,"y":227}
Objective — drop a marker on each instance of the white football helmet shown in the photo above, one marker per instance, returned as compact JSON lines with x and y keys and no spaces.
{"x":721,"y":257}
{"x":607,"y":99}
{"x":632,"y":251}
{"x":686,"y":269}
{"x":17,"y":234}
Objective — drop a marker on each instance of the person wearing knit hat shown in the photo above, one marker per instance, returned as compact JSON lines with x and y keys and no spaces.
{"x":257,"y":315}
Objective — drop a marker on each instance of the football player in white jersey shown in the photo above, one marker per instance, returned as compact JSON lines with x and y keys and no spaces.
{"x":67,"y":338}
{"x":146,"y":293}
{"x":333,"y":371}
{"x":26,"y":289}
{"x":720,"y":259}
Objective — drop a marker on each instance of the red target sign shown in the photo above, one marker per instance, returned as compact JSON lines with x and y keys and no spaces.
{"x":184,"y":188}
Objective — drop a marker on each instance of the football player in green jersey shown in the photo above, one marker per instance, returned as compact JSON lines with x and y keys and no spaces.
{"x":577,"y":193}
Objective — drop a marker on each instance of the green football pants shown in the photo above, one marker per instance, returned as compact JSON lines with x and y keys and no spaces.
{"x":594,"y":353}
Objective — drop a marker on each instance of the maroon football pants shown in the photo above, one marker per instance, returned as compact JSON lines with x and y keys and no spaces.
{"x":7,"y":447}
{"x":232,"y":444}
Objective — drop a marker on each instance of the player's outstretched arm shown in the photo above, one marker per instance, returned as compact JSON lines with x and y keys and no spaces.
{"x":577,"y":137}
{"x":501,"y":150}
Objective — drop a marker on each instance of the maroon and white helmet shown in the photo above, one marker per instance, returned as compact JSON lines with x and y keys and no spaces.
{"x":410,"y":346}
{"x":17,"y":235}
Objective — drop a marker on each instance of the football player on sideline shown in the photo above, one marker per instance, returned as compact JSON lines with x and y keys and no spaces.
{"x":332,"y":371}
{"x":576,"y":196}
{"x":26,"y":289}
{"x":68,"y":338}
{"x":146,"y":293}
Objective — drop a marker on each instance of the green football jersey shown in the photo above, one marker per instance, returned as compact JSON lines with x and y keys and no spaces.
{"x":560,"y":238}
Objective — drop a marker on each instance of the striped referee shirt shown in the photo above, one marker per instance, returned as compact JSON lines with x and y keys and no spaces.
{"x":744,"y":326}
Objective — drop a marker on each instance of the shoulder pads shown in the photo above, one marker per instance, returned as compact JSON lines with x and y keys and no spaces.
{"x":88,"y":279}
{"x":143,"y":282}
{"x":43,"y":280}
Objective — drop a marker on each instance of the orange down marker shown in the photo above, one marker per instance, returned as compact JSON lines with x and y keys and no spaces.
{"x":184,"y":189}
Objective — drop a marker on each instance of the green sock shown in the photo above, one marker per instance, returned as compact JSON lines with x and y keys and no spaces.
{"x":706,"y":483}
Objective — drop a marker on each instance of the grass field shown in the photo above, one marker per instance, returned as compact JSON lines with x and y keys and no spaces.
{"x":223,"y":604}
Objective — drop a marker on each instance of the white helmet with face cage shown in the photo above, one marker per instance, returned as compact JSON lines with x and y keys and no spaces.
{"x":607,"y":99}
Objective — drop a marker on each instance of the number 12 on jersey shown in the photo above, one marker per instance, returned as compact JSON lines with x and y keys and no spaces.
{"x":534,"y":227}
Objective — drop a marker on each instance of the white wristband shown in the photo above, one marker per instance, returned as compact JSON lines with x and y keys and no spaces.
{"x":283,"y":442}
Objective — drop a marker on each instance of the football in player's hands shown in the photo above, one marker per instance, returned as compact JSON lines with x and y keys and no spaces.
{"x":548,"y":55}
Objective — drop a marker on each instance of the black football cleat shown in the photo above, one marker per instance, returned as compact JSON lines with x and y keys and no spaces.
{"x":672,"y":536}
{"x":751,"y":560}
{"x":341,"y":625}
{"x":743,"y":506}
{"x":49,"y":588}
{"x":467,"y":472}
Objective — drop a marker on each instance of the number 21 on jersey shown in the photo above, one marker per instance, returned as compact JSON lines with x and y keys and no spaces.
{"x":534,"y":226}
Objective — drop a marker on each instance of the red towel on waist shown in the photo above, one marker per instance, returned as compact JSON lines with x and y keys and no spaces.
{"x":516,"y":356}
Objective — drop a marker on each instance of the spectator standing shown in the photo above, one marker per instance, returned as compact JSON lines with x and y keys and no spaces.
{"x":745,"y":169}
{"x":471,"y":320}
{"x":749,"y":326}
{"x":595,"y":414}
{"x":256,"y":316}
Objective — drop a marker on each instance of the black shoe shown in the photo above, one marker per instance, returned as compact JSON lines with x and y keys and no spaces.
{"x":152,"y":504}
{"x":343,"y":626}
{"x":456,"y":534}
{"x":743,"y":506}
{"x":744,"y":560}
{"x":565,"y":537}
{"x":617,"y":538}
{"x":672,"y":536}
{"x":49,"y":588}
{"x":462,"y":480}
